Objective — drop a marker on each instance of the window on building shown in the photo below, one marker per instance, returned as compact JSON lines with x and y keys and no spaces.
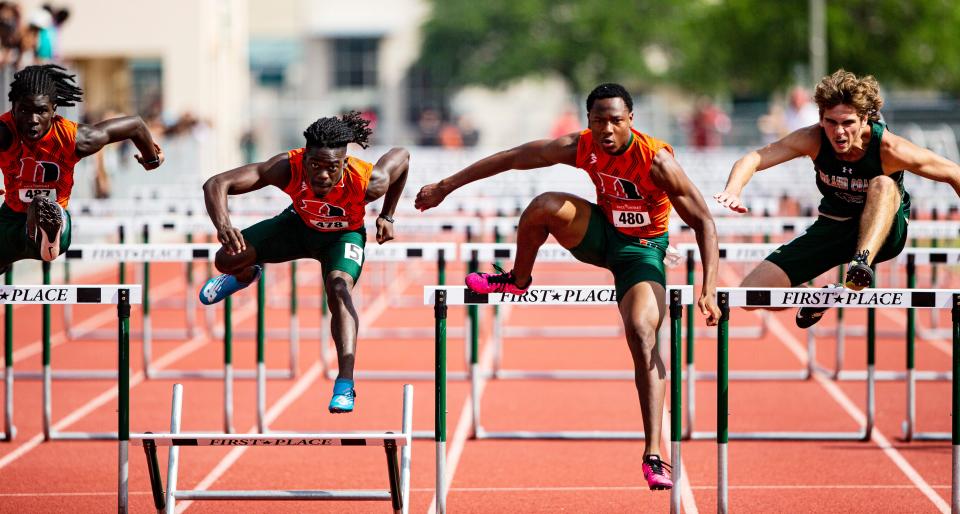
{"x":147,"y":87}
{"x":355,"y":62}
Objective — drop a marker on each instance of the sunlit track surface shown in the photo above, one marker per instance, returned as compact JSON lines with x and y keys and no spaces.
{"x":492,"y":476}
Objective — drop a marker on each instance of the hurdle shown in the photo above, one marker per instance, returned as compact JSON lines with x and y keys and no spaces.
{"x":911,"y":256}
{"x":870,"y":299}
{"x":121,"y":295}
{"x":909,"y":425}
{"x":398,"y":470}
{"x":540,"y":296}
{"x":473,"y":254}
{"x":442,"y":296}
{"x":9,"y":430}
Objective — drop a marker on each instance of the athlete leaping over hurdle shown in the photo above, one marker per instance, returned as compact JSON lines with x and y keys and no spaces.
{"x":38,"y":150}
{"x":637,"y":181}
{"x":859,"y":168}
{"x":330,"y":190}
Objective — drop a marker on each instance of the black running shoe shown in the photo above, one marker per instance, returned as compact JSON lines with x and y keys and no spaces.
{"x":809,"y":316}
{"x":859,"y":273}
{"x":44,"y":225}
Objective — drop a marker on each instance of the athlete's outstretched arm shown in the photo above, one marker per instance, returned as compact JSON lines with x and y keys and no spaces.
{"x":897,"y":153}
{"x":91,"y":138}
{"x":535,"y":154}
{"x":805,"y":141}
{"x":250,"y":177}
{"x":388,"y":177}
{"x":667,"y":174}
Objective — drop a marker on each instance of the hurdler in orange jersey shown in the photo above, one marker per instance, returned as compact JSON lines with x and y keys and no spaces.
{"x":637,"y":181}
{"x":38,"y":150}
{"x":329,"y":190}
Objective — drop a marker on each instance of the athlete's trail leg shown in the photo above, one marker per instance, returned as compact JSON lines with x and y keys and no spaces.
{"x":562,"y":215}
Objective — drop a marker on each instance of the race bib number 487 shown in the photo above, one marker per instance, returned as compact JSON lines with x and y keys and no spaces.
{"x":27,"y":195}
{"x":630,"y":219}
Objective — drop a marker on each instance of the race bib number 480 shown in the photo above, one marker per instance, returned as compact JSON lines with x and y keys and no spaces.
{"x":27,"y":195}
{"x":630,"y":219}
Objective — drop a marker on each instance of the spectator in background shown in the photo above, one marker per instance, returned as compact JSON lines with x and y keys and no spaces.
{"x":566,"y":123}
{"x":708,"y":124}
{"x":10,"y":33}
{"x":800,"y":111}
{"x":428,"y":128}
{"x":469,"y":134}
{"x":48,"y":47}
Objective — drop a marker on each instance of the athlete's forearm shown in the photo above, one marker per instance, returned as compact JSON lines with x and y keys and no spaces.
{"x":742,"y":172}
{"x":215,"y":197}
{"x":484,"y":168}
{"x":398,"y":179}
{"x":709,"y":254}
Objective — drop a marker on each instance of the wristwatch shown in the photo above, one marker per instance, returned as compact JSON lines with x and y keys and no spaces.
{"x":385,"y":217}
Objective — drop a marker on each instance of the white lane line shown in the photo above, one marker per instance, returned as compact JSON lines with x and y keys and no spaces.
{"x":559,"y":489}
{"x":844,"y":401}
{"x":371,"y":313}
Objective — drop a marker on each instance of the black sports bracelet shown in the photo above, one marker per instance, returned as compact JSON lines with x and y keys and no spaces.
{"x":384,"y":216}
{"x":156,"y":160}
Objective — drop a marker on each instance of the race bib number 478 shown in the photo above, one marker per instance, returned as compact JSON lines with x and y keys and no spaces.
{"x":27,"y":195}
{"x":630,"y":219}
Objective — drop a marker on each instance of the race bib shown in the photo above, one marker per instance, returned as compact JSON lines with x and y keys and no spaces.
{"x":630,"y":219}
{"x":27,"y":195}
{"x":330,"y":225}
{"x":353,"y":252}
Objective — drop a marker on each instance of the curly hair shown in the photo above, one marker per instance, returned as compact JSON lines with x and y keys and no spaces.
{"x":845,"y":88}
{"x":609,"y":90}
{"x":337,"y":132}
{"x":50,"y":80}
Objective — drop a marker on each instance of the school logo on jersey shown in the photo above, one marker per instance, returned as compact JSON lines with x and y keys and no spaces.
{"x":35,"y":171}
{"x":322,"y":209}
{"x":619,"y":187}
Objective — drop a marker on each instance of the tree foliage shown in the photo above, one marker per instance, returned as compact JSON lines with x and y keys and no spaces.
{"x":731,"y":46}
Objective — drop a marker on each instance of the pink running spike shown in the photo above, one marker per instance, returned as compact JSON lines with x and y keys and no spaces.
{"x":655,"y":473}
{"x":485,"y":283}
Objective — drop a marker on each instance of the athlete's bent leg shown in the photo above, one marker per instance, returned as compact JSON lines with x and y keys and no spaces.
{"x":642,"y":309}
{"x":344,"y":323}
{"x":562,"y":215}
{"x":883,"y":201}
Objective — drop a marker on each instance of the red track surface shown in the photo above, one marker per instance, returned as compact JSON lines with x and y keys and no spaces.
{"x":487,"y":476}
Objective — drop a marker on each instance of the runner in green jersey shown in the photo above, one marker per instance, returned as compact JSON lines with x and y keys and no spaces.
{"x":859,"y":167}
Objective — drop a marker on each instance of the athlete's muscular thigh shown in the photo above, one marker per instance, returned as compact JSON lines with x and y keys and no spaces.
{"x":642,"y":308}
{"x":566,"y":216}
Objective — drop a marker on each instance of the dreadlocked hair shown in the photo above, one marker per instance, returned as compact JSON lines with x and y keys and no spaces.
{"x":48,"y":79}
{"x":337,"y":132}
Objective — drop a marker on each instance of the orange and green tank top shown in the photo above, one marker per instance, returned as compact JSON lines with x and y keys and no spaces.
{"x":342,"y":208}
{"x":625,"y":192}
{"x":41,"y":168}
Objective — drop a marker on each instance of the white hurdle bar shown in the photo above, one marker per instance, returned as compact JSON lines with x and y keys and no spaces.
{"x":121,"y":295}
{"x":802,"y":297}
{"x":398,"y":470}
